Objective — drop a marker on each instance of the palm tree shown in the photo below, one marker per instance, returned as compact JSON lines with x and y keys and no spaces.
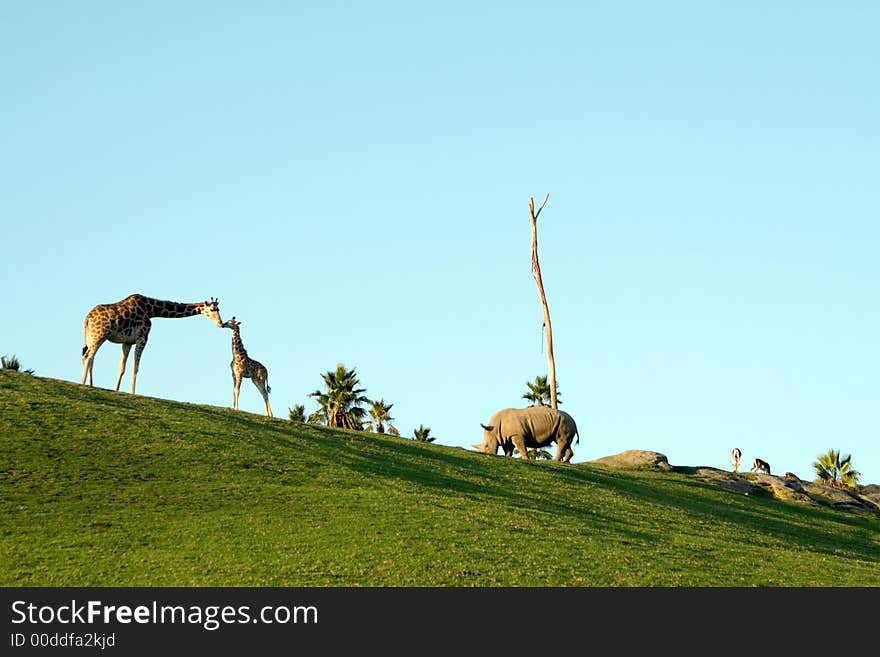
{"x":380,"y":412}
{"x":421,"y":434}
{"x":539,"y":391}
{"x":297,"y":413}
{"x":340,"y":404}
{"x":835,"y":471}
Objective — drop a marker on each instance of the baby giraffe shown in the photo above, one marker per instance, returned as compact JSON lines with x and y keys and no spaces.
{"x":243,"y":366}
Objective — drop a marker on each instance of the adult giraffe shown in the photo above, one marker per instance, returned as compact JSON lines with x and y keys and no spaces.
{"x":127,"y":322}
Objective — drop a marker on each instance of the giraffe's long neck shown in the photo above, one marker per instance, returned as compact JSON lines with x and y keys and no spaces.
{"x":238,"y":349}
{"x":170,"y":309}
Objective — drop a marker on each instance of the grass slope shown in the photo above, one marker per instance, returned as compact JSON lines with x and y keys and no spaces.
{"x":99,"y":488}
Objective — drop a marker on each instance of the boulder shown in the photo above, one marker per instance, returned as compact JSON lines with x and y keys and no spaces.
{"x":721,"y":478}
{"x":871,"y":494}
{"x":636,"y":458}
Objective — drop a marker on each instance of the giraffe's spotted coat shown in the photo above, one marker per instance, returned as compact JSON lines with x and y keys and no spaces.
{"x":245,"y":367}
{"x":127,"y":322}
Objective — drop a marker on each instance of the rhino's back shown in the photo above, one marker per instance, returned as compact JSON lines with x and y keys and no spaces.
{"x":506,"y":423}
{"x":543,"y":422}
{"x":537,"y":424}
{"x":504,"y":415}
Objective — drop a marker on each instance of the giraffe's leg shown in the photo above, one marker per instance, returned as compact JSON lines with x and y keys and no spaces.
{"x":138,"y":350}
{"x":268,"y":390}
{"x":261,"y":380}
{"x":236,"y":386}
{"x":89,"y":360}
{"x":261,"y":386}
{"x":126,"y":347}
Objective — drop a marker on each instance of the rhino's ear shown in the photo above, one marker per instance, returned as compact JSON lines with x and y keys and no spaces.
{"x":485,"y":427}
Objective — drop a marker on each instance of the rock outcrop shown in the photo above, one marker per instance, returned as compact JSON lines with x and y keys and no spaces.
{"x":635,"y":458}
{"x":788,"y":487}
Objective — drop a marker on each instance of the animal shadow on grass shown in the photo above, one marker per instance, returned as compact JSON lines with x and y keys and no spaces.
{"x":468,"y":475}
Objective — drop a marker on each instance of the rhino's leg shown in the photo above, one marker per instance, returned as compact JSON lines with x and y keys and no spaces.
{"x":520,"y":443}
{"x":560,"y":449}
{"x":564,"y":451}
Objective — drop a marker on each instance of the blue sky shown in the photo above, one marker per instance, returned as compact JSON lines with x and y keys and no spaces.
{"x":352,"y":183}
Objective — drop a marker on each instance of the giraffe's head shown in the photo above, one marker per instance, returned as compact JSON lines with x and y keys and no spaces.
{"x":211,"y":310}
{"x":231,"y":323}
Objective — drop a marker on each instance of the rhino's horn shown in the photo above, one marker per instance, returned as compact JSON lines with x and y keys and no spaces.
{"x":479,"y":448}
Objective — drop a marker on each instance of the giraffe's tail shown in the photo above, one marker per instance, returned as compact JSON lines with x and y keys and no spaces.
{"x":86,"y":335}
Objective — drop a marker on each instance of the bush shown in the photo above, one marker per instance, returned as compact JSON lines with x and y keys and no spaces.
{"x":12,"y":363}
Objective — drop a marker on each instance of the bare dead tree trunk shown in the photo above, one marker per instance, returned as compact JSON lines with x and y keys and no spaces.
{"x":536,"y":269}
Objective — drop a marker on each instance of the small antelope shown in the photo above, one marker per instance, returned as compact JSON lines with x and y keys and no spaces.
{"x":735,"y":456}
{"x":760,"y":466}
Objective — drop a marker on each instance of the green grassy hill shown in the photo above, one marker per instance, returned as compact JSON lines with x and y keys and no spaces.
{"x":99,"y":488}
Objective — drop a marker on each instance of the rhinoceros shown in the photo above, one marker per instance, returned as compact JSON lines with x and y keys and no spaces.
{"x":533,"y":426}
